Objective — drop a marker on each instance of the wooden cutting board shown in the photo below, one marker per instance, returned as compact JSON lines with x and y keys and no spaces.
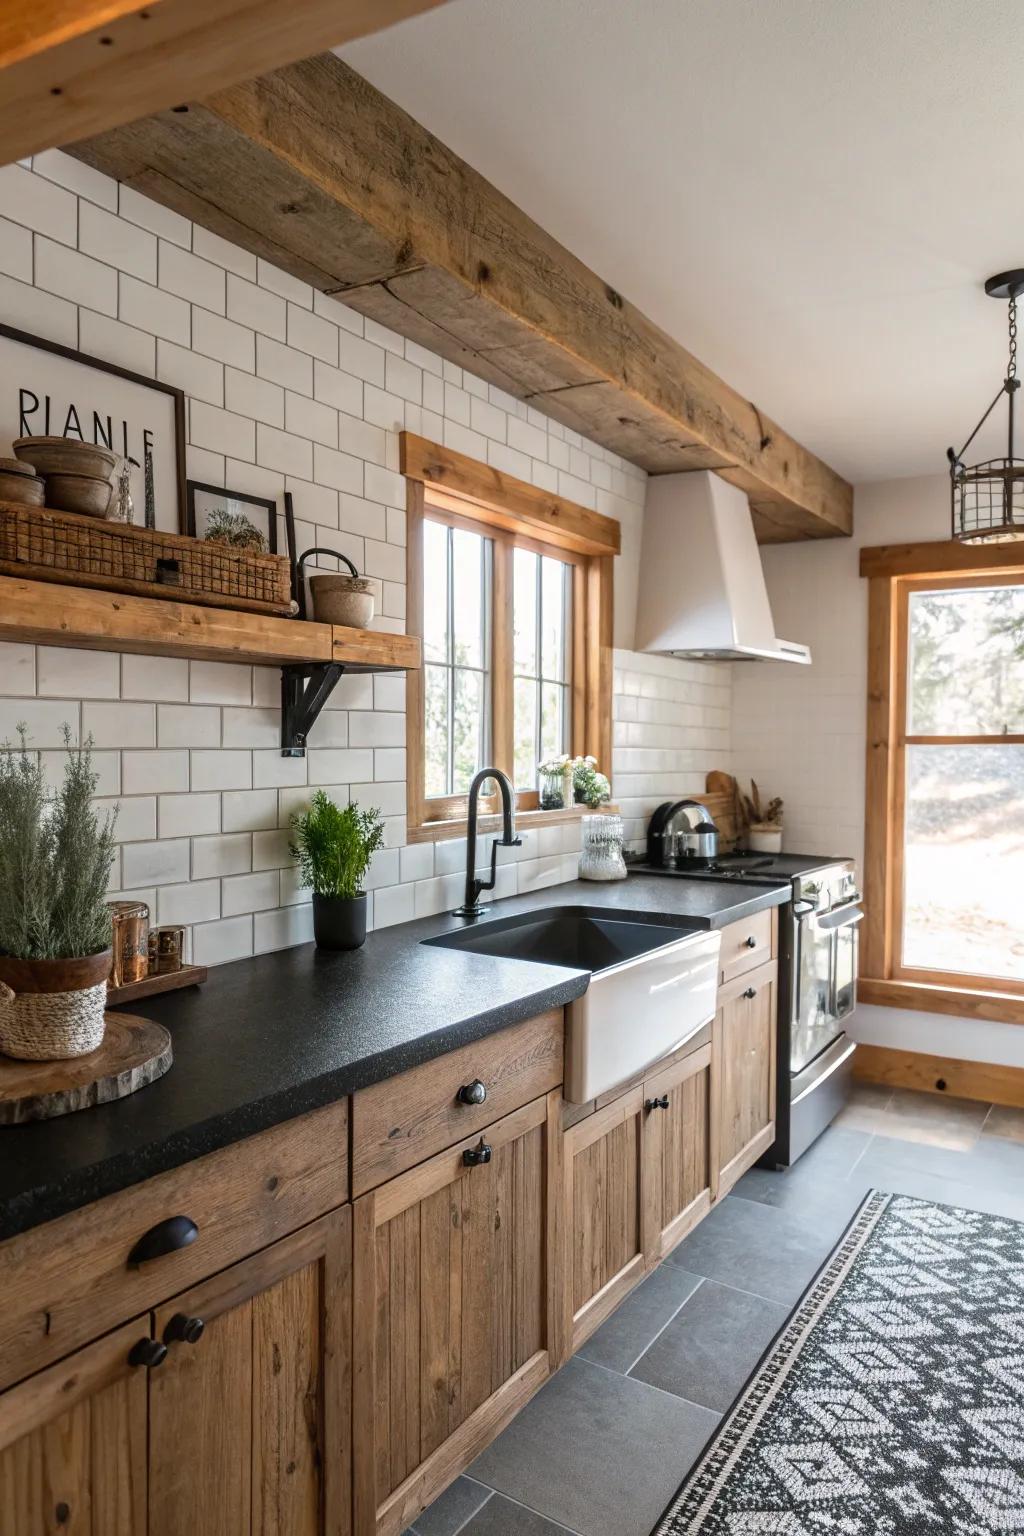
{"x":722,"y":800}
{"x":134,"y":1052}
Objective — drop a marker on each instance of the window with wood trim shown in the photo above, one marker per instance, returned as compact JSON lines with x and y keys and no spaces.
{"x":945,"y":802}
{"x":511,"y":591}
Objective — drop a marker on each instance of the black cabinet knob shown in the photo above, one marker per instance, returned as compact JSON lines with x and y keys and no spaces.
{"x":166,"y":1237}
{"x":661,"y":1103}
{"x":751,"y":942}
{"x":472,"y":1093}
{"x":474,"y":1156}
{"x":183,"y":1329}
{"x":147,"y":1352}
{"x":750,"y":992}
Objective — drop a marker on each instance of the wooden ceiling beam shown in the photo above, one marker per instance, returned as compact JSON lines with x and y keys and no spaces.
{"x":313,"y":169}
{"x":69,"y":68}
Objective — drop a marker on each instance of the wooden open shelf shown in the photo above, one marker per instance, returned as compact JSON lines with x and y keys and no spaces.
{"x":50,"y":613}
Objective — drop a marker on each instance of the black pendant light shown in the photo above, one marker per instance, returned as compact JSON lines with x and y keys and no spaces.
{"x":988,"y":498}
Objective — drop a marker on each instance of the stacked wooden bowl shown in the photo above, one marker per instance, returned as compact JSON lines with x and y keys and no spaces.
{"x":19,"y":482}
{"x":78,"y":476}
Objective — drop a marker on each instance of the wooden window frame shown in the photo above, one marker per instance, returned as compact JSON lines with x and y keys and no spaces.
{"x":454,"y":489}
{"x":893,"y":573}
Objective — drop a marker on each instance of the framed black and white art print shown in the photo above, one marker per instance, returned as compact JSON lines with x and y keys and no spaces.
{"x":49,"y":390}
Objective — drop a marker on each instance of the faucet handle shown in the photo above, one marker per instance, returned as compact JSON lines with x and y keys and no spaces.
{"x":509,"y":842}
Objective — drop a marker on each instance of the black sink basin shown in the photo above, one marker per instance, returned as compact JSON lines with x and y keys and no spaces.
{"x":570,"y":936}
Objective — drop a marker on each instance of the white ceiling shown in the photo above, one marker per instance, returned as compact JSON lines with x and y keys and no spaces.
{"x":808,"y":194}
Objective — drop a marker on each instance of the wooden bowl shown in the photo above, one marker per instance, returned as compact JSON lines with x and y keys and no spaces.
{"x":342,"y":599}
{"x":65,"y":456}
{"x":28,"y":489}
{"x":79,"y":493}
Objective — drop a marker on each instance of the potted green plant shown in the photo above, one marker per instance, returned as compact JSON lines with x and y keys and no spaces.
{"x":332,"y":846}
{"x":590,"y":787}
{"x":55,"y":860}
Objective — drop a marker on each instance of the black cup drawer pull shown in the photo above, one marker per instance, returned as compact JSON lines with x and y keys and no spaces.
{"x":661,"y":1103}
{"x":472,"y":1093}
{"x":147,"y":1352}
{"x":750,"y":992}
{"x":183,"y":1329}
{"x":751,"y":942}
{"x":166,"y":1237}
{"x":474,"y":1156}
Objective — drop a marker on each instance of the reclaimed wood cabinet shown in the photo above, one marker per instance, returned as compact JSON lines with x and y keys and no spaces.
{"x":73,"y":1444}
{"x":679,"y":1111}
{"x":225,"y":1412}
{"x":249,"y":1413}
{"x":744,"y":1071}
{"x":455,"y":1301}
{"x":604,"y":1200}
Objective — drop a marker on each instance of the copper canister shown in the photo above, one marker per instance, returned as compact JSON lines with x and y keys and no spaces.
{"x":130,"y":941}
{"x":166,"y":950}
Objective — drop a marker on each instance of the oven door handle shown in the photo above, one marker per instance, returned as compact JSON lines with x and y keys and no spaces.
{"x":842,"y":917}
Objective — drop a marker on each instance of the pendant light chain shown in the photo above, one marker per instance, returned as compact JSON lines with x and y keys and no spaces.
{"x":1011,"y":367}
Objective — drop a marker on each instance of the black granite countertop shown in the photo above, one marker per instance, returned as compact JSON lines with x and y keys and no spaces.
{"x":266,"y":1039}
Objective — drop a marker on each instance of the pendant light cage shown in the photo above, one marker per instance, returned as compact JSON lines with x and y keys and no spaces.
{"x":987,"y":499}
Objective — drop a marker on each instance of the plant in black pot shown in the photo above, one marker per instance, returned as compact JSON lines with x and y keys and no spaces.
{"x":332,"y":846}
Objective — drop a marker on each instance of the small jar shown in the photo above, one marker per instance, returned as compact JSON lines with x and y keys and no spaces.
{"x":129,"y":922}
{"x":601,"y":852}
{"x":166,"y":950}
{"x":552,"y":793}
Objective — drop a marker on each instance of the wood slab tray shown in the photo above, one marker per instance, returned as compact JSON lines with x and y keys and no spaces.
{"x":149,"y":986}
{"x":134,"y":1052}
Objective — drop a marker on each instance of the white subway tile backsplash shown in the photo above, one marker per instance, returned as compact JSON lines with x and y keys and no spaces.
{"x":250,"y":893}
{"x":190,"y":815}
{"x":154,"y":217}
{"x":66,"y":672}
{"x":341,"y":390}
{"x":231,"y":257}
{"x":222,"y":431}
{"x":272,"y":771}
{"x":191,"y":278}
{"x":196,"y":902}
{"x":119,"y":724}
{"x":44,"y":720}
{"x":78,"y":177}
{"x":226,"y":854}
{"x":339,"y":470}
{"x":251,"y":727}
{"x":15,"y":250}
{"x":115,"y":342}
{"x":153,"y":677}
{"x":159,"y":863}
{"x":188,"y":725}
{"x":136,"y":816}
{"x":219,"y":769}
{"x":282,"y":928}
{"x":149,"y":309}
{"x":216,"y":943}
{"x":215,"y":336}
{"x":42,"y":314}
{"x":154,"y":773}
{"x":39,"y":204}
{"x":284,"y":451}
{"x":74,"y":276}
{"x":270,"y":849}
{"x":220,"y":682}
{"x":18,"y":668}
{"x":308,"y":332}
{"x":201,"y":377}
{"x":330,"y":765}
{"x":249,"y":810}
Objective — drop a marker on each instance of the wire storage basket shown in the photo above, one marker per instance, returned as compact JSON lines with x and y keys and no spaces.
{"x":988,"y":501}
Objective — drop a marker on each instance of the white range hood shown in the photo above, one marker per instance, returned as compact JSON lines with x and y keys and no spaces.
{"x":702,"y":591}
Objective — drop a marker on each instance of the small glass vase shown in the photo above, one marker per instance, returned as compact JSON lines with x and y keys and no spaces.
{"x":601,"y":851}
{"x":552,"y":791}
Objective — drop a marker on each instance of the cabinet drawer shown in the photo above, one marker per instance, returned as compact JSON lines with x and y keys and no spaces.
{"x":763,"y":976}
{"x":400,"y":1122}
{"x":746,"y":944}
{"x":68,"y":1281}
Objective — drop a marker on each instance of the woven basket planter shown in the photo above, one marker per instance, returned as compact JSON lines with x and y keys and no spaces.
{"x":53,"y":1009}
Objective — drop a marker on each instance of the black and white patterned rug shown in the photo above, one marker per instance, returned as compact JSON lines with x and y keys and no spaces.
{"x":892,"y":1403}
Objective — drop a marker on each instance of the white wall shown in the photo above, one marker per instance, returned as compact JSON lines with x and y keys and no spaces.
{"x":289,"y":390}
{"x":801,"y":731}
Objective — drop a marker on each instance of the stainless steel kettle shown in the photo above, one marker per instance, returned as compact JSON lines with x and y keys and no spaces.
{"x":688,"y":834}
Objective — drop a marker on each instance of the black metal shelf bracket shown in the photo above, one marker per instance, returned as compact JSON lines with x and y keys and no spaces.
{"x":305,"y":689}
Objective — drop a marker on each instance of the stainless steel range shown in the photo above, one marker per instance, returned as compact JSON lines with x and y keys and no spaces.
{"x":818,"y":927}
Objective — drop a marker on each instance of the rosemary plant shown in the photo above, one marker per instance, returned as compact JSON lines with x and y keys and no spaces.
{"x":55,"y":857}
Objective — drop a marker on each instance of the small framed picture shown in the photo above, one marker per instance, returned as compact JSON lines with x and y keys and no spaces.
{"x":232,"y":518}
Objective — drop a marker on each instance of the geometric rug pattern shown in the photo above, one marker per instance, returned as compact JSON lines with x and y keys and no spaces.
{"x":892,"y":1402}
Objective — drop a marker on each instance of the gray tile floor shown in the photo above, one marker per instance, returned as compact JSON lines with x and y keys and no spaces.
{"x":603,"y":1446}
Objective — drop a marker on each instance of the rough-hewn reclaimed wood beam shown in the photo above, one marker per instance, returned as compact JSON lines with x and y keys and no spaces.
{"x":314,"y":169}
{"x":74,"y":67}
